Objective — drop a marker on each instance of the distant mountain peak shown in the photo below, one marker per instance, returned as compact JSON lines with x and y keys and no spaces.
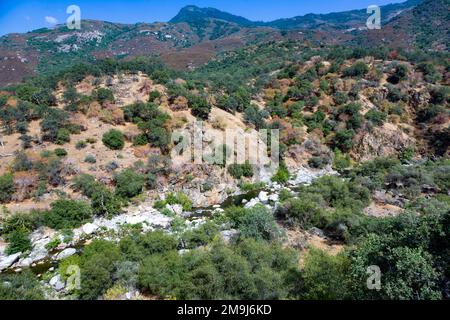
{"x":192,"y":14}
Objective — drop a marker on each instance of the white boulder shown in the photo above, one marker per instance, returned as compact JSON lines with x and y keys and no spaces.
{"x":57,"y":283}
{"x":229,"y":236}
{"x":263,"y":197}
{"x":66,"y":253}
{"x":274,"y":197}
{"x":253,"y":202}
{"x":89,"y":228}
{"x":7,"y":261}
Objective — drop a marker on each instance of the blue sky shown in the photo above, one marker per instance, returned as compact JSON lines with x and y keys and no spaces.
{"x":22,"y":16}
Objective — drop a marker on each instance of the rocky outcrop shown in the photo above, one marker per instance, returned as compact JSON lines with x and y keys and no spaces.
{"x":57,"y":283}
{"x":229,"y":236}
{"x":384,"y":141}
{"x":7,"y":261}
{"x":306,"y":176}
{"x":419,"y":98}
{"x":66,"y":253}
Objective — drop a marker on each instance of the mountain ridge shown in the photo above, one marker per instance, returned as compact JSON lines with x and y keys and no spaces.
{"x":192,"y":13}
{"x":195,"y":35}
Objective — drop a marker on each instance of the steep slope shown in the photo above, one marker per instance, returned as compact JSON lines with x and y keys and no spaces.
{"x":425,"y":26}
{"x":194,"y":14}
{"x":210,"y":23}
{"x":341,"y":20}
{"x":196,"y":35}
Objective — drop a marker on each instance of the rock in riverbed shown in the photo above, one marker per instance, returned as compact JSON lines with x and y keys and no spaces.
{"x":7,"y":261}
{"x":66,"y":253}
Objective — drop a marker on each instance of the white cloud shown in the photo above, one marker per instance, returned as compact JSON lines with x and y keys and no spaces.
{"x":51,"y":20}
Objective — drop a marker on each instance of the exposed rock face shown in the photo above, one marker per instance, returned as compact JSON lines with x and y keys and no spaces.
{"x":384,"y":141}
{"x":89,"y":228}
{"x":57,"y":283}
{"x":180,"y":103}
{"x":253,"y":202}
{"x":176,"y":209}
{"x":263,"y":197}
{"x":306,"y":176}
{"x":205,"y":175}
{"x":66,"y":253}
{"x":419,"y":98}
{"x":386,"y":210}
{"x":7,"y":261}
{"x":229,"y":236}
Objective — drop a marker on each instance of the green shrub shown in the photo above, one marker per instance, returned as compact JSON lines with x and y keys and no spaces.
{"x":129,"y":183}
{"x":3,"y":100}
{"x":318,"y":162}
{"x":67,"y":214}
{"x":200,"y":107}
{"x":254,"y":116}
{"x":18,"y":242}
{"x":53,"y":244}
{"x":306,"y":211}
{"x":358,"y":69}
{"x":340,"y":193}
{"x":151,"y":121}
{"x":90,"y":159}
{"x":62,"y":136}
{"x":408,"y":271}
{"x":102,"y":95}
{"x":247,"y":187}
{"x":137,"y":247}
{"x":341,"y":161}
{"x":406,"y":155}
{"x":64,"y":265}
{"x":340,"y":98}
{"x":200,"y":236}
{"x":53,"y":120}
{"x":60,"y":152}
{"x":238,"y":171}
{"x":22,"y":162}
{"x":400,"y":74}
{"x":104,"y":202}
{"x":258,"y":223}
{"x":343,"y":140}
{"x":282,"y":175}
{"x":140,"y":140}
{"x":98,"y":264}
{"x":84,"y":183}
{"x":325,"y":277}
{"x":20,"y":286}
{"x":395,"y":94}
{"x":429,"y":113}
{"x":250,"y":270}
{"x":6,"y":187}
{"x":179,"y":198}
{"x":153,"y":96}
{"x":20,"y":221}
{"x":81,"y":145}
{"x":114,"y":139}
{"x":376,"y":117}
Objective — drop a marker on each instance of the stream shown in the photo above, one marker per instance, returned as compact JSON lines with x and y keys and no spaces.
{"x":41,"y":260}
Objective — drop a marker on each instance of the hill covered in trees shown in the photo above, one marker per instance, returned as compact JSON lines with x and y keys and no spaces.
{"x":93,"y":182}
{"x":196,"y":35}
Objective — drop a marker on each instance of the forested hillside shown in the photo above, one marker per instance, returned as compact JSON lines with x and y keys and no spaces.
{"x":93,"y":185}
